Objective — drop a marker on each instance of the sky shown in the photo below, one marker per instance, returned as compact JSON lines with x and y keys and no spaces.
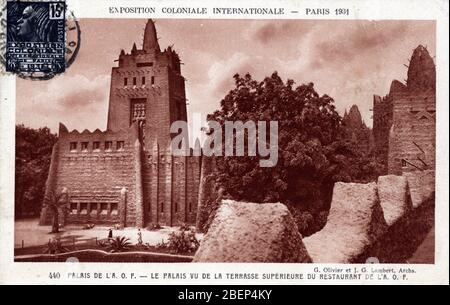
{"x":346,"y":59}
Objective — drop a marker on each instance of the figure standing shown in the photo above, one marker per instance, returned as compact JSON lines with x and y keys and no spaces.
{"x":140,"y":242}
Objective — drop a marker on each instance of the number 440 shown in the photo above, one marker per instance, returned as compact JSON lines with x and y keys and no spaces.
{"x":54,"y":275}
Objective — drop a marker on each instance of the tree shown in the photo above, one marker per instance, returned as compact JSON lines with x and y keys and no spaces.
{"x":33,"y":154}
{"x":313,"y":150}
{"x":56,"y":203}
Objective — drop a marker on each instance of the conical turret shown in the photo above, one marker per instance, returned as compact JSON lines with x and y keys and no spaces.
{"x":353,"y":118}
{"x":150,"y":37}
{"x":421,"y":71}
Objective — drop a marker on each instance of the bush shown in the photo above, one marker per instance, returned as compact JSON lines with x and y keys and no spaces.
{"x":119,"y":244}
{"x":55,"y":246}
{"x":103,"y":243}
{"x":182,"y":241}
{"x":307,"y":222}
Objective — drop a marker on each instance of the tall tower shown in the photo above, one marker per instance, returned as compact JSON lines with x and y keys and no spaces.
{"x":412,"y":138}
{"x":148,"y":87}
{"x":132,"y":177}
{"x":404,"y":124}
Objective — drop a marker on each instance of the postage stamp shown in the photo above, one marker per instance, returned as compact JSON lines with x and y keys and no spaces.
{"x":35,"y":37}
{"x":38,"y":39}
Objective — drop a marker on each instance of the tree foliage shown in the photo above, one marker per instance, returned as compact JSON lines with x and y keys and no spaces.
{"x":33,"y":154}
{"x":313,"y":150}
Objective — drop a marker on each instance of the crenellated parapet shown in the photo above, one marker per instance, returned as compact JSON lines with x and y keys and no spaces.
{"x":378,"y":221}
{"x":97,"y":141}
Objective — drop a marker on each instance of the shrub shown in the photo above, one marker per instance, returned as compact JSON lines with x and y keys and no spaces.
{"x":55,"y":246}
{"x":183,"y":241}
{"x":103,"y":243}
{"x":119,"y":244}
{"x":321,"y":220}
{"x":308,"y":223}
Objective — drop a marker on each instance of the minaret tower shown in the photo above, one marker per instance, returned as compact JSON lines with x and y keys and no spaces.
{"x":150,"y":38}
{"x":147,"y":87}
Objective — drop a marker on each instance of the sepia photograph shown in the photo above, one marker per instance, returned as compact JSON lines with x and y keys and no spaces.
{"x":229,"y":141}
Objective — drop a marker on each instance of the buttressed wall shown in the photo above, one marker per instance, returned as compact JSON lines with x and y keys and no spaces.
{"x":127,"y":175}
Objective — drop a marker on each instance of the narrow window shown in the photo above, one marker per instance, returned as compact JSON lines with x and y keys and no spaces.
{"x":153,"y":80}
{"x":143,"y":80}
{"x":162,"y":207}
{"x":108,"y":145}
{"x":125,"y":81}
{"x":93,"y":209}
{"x":134,"y":81}
{"x":120,"y":145}
{"x":73,"y":208}
{"x":73,"y":146}
{"x":84,"y":208}
{"x":114,"y":209}
{"x":104,"y":208}
{"x":96,"y":145}
{"x":84,"y":146}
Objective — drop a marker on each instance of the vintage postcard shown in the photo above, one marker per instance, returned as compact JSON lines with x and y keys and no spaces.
{"x":224,"y":142}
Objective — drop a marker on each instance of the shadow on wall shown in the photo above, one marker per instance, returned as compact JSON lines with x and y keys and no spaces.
{"x":386,"y":220}
{"x":401,"y":240}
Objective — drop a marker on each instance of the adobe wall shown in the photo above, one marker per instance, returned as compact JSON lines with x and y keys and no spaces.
{"x":171,"y":186}
{"x":94,"y":179}
{"x":404,"y":122}
{"x":412,"y":136}
{"x":388,"y":227}
{"x":252,"y":233}
{"x":137,"y":187}
{"x":378,"y":220}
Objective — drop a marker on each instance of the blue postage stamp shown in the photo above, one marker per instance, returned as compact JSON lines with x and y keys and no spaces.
{"x":35,"y":40}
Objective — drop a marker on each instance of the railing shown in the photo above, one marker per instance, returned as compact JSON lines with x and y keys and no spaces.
{"x":66,"y":241}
